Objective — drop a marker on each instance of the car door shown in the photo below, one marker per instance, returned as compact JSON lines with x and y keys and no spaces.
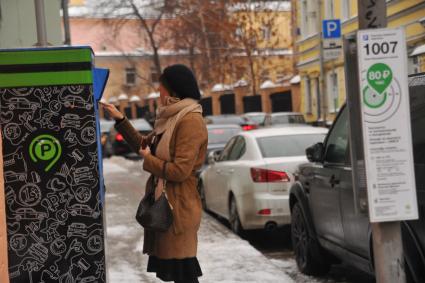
{"x":356,"y":225}
{"x":326,"y":185}
{"x":214,"y":179}
{"x":228,"y":168}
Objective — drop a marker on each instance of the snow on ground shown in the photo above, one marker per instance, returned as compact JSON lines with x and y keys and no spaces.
{"x":124,"y":273}
{"x":224,"y":257}
{"x":290,"y":267}
{"x":109,"y":168}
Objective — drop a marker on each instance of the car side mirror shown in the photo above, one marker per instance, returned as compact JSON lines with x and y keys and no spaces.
{"x":315,"y":153}
{"x":213,"y":156}
{"x":211,"y":159}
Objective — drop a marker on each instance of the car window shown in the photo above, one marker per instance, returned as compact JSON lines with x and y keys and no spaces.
{"x":258,"y":119}
{"x":221,"y":135}
{"x":287,"y":145}
{"x":105,"y":126}
{"x":238,"y":149}
{"x":337,"y":143}
{"x":288,"y":119}
{"x":227,"y":149}
{"x":225,"y":120}
{"x":141,"y":125}
{"x":417,"y":105}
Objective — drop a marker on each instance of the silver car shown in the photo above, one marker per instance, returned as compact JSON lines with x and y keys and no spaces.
{"x":249,"y":182}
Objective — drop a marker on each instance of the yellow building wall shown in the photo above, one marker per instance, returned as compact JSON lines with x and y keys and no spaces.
{"x":308,"y":48}
{"x":281,"y":26}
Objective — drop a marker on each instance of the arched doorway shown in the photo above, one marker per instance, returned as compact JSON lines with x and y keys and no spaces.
{"x":206,"y":104}
{"x":252,"y":103}
{"x":281,"y":102}
{"x":227,"y":103}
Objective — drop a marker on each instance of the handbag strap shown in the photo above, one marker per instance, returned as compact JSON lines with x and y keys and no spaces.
{"x":164,"y":183}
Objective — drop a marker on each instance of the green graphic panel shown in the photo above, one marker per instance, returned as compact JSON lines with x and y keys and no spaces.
{"x":45,"y":56}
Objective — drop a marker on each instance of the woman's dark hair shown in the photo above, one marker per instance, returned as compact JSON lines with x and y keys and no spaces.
{"x":180,"y":82}
{"x":165,"y":84}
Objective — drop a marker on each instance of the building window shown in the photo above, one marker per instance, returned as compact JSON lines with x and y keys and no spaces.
{"x":309,"y":14}
{"x":239,"y":32}
{"x":304,"y":18}
{"x":312,"y":8}
{"x":280,"y":76}
{"x":265,"y":75}
{"x":330,"y":9}
{"x":346,"y":11}
{"x":317,"y":95}
{"x":130,"y":76}
{"x":332,"y":89}
{"x":266,"y":32}
{"x":413,"y":65}
{"x":308,"y":98}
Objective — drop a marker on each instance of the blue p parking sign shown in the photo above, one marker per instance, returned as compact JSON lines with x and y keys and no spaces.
{"x":331,"y":29}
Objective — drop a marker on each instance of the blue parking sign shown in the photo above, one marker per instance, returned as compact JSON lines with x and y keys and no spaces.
{"x":332,"y":28}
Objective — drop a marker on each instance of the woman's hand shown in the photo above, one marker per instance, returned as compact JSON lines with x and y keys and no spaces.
{"x":112,"y":111}
{"x":144,"y":151}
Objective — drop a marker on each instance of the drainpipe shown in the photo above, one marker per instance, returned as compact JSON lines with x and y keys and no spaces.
{"x":65,"y":16}
{"x":40,"y":17}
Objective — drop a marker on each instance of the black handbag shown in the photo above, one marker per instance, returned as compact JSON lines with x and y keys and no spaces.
{"x":155,"y":215}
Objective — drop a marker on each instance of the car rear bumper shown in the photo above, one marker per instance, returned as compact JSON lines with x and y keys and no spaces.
{"x":121,"y":148}
{"x":250,"y":205}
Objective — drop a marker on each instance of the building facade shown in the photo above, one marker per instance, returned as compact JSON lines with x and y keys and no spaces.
{"x":321,"y":102}
{"x":133,"y":78}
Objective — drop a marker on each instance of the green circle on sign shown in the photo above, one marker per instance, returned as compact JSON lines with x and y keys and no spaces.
{"x":373,"y":99}
{"x":45,"y":149}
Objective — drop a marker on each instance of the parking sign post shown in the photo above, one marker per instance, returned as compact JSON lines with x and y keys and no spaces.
{"x":331,"y":39}
{"x":387,"y":241}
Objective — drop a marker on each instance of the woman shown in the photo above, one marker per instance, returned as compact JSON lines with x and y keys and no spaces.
{"x":177,"y":152}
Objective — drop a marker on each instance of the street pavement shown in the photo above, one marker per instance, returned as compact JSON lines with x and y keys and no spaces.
{"x":224,"y":257}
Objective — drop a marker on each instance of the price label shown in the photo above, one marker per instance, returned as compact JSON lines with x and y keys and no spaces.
{"x":386,"y":126}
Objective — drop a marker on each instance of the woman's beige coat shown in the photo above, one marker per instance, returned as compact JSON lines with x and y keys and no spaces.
{"x":188,"y":147}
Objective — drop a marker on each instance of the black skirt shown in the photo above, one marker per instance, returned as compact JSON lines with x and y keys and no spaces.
{"x":178,"y":270}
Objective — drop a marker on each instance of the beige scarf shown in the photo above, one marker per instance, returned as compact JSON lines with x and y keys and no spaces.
{"x":167,"y":118}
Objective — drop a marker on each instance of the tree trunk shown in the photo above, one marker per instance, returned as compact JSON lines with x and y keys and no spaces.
{"x":252,"y":71}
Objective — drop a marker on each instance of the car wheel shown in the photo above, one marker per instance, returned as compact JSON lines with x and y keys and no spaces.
{"x":308,"y":261}
{"x":234,"y":220}
{"x":202,"y":195}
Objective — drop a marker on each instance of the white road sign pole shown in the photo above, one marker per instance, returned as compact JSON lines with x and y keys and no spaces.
{"x":386,"y":236}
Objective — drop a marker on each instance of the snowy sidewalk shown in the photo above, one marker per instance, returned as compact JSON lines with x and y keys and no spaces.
{"x":223,"y":256}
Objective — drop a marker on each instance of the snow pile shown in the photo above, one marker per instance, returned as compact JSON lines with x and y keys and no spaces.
{"x":226,"y":258}
{"x":124,"y":273}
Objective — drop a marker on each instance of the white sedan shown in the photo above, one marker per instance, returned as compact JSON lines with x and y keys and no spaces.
{"x":248,"y":182}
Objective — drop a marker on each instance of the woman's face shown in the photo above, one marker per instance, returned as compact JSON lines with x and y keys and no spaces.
{"x":163,"y":93}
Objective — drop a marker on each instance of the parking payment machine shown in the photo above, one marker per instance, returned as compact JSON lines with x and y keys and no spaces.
{"x":52,"y":193}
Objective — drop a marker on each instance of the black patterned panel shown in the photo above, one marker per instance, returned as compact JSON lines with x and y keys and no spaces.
{"x":53,"y":204}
